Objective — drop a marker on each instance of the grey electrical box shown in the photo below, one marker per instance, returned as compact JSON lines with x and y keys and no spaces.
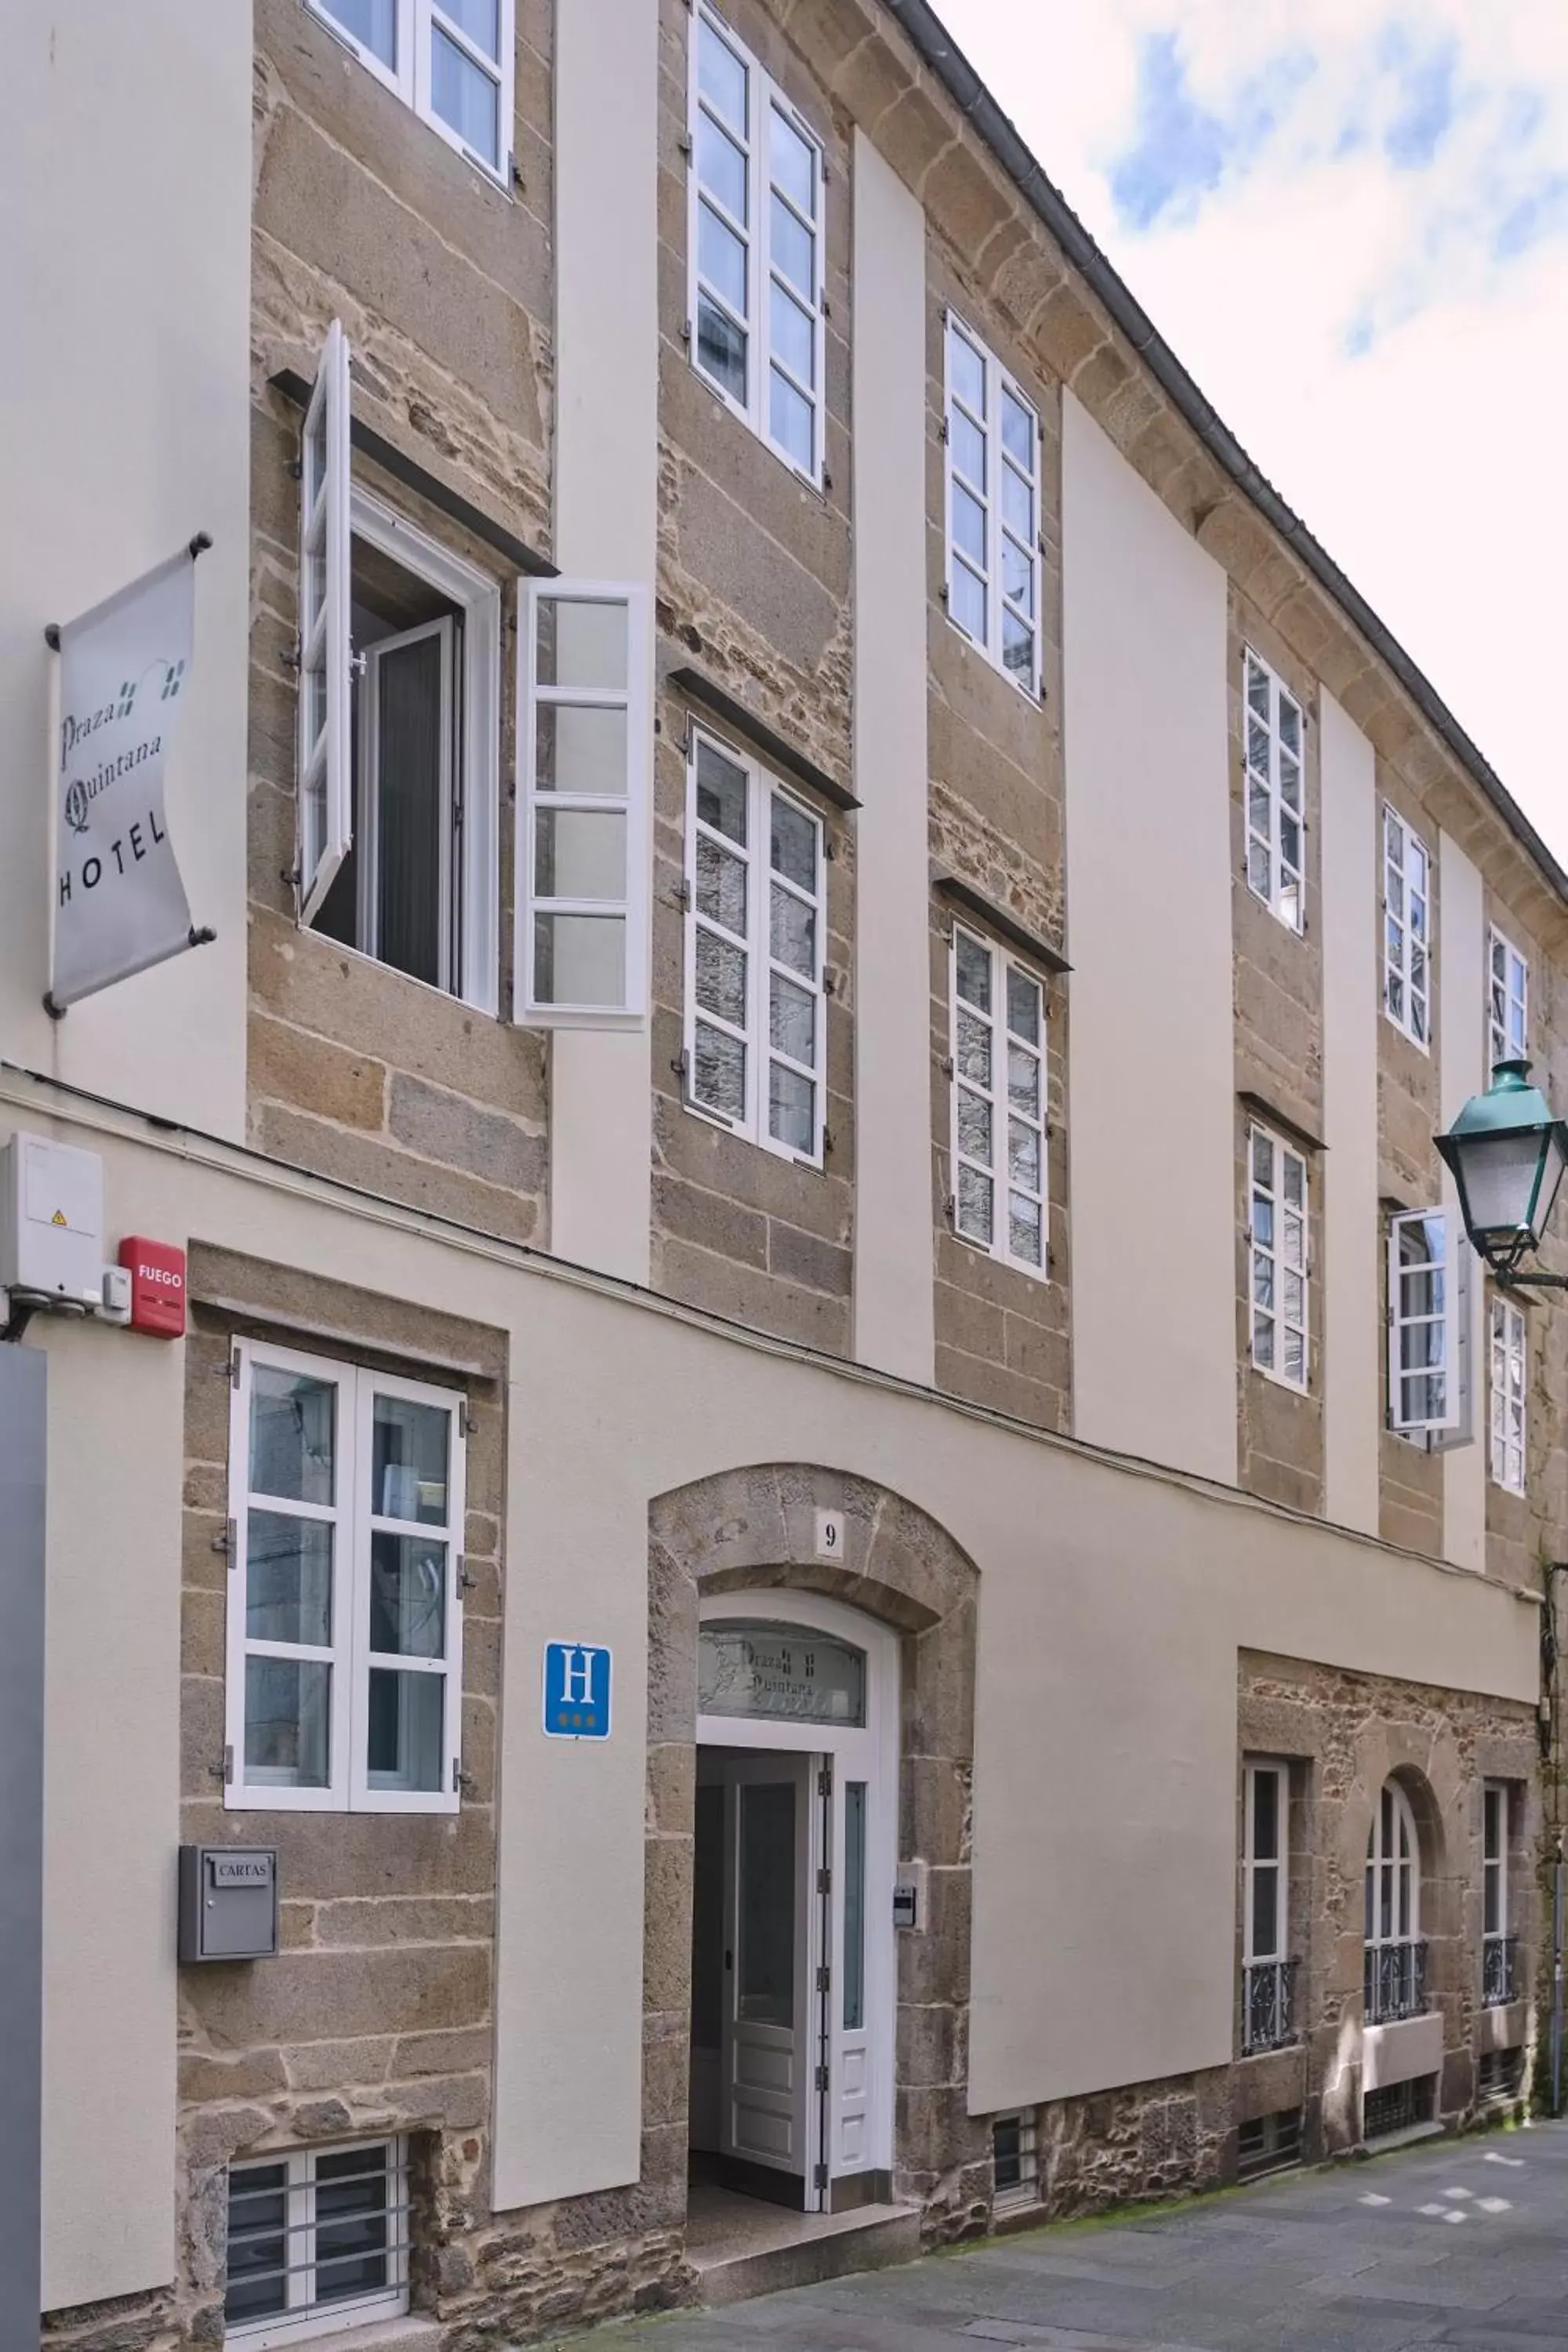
{"x":228,"y":1902}
{"x":909,"y":1896}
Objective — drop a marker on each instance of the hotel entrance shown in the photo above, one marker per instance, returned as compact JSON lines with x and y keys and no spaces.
{"x":794,"y":1995}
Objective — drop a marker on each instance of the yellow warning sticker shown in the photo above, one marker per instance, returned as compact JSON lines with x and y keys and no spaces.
{"x":59,"y":1218}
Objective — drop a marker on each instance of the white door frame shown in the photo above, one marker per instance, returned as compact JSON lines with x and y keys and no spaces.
{"x":868,"y":1753}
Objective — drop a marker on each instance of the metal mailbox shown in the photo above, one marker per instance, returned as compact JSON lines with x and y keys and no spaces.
{"x":228,"y":1902}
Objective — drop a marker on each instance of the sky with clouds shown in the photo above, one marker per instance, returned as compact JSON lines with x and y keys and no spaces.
{"x":1349,"y":220}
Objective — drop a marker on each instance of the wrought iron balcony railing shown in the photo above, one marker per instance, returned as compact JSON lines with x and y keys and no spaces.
{"x":1267,"y":2005}
{"x":1498,"y":1971}
{"x":1396,"y":1981}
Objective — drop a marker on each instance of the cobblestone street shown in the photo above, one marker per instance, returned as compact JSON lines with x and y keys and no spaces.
{"x":1463,"y":2244}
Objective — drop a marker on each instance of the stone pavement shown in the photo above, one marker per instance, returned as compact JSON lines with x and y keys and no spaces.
{"x":1458,"y":2242}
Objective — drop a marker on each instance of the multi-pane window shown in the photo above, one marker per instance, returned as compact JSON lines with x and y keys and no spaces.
{"x":1277,"y":1227}
{"x":755,"y":247}
{"x":1264,"y":1864}
{"x":1394,"y":1981}
{"x":1015,"y":2163}
{"x":1267,"y":1976}
{"x":1406,"y":929}
{"x":756,"y":926}
{"x":450,"y":60}
{"x":993,"y":437}
{"x":1508,"y":1004}
{"x":583,"y":710}
{"x":344,"y":1603}
{"x":399,"y":724}
{"x":1496,"y":1950}
{"x":1508,"y":1370}
{"x":1428,"y":1380}
{"x":998,"y":1015}
{"x":317,"y":2241}
{"x":1275,"y":800}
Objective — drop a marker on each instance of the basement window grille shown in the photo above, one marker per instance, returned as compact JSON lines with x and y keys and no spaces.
{"x":1015,"y":2161}
{"x":1268,"y":2144}
{"x":317,"y":2241}
{"x":1398,"y":2108}
{"x":1500,"y":2075}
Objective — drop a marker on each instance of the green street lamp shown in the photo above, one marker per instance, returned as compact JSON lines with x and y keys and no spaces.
{"x":1506,"y":1154}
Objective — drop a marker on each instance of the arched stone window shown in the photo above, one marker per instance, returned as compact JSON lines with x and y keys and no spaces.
{"x":1396,"y":1968}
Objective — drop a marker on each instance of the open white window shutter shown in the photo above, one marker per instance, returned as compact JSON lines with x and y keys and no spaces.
{"x":1459,"y":1350}
{"x":324,"y":775}
{"x":1453,"y":1427}
{"x":584,"y":762}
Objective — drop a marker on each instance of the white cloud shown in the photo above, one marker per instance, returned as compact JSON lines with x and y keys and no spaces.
{"x":1373,"y":290}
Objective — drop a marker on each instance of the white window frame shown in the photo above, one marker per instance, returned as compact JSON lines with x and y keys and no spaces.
{"x":1510,"y":1367}
{"x":1251,"y":1864}
{"x":1507,"y":1000}
{"x":1275,"y":783}
{"x":1494,"y":1858}
{"x":349,"y":1655}
{"x":1272,"y":1262}
{"x":1384,"y":1853}
{"x":476,"y":772}
{"x":997,"y":1098}
{"x":763,"y":96}
{"x":763,"y":788}
{"x":1407,"y":937}
{"x":1026,"y":2189}
{"x":333,"y":512}
{"x":998,"y":460}
{"x":1409,"y":1357}
{"x":634,"y":697}
{"x":308,"y":2319}
{"x":412,"y":78}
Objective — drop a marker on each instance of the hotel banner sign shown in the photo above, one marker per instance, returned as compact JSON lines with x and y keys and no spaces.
{"x":124,"y":671}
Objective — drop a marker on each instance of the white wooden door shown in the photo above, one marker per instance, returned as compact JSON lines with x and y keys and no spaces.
{"x":768,"y":2067}
{"x":850,"y":2051}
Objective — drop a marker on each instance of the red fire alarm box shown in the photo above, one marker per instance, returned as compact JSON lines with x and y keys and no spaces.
{"x":157,"y":1272}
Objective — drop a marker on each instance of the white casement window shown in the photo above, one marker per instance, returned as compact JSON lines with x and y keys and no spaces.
{"x":1265,"y":1862}
{"x":998,"y":1011}
{"x":993,"y":468}
{"x":586,"y":760}
{"x":1279,"y":1257}
{"x":450,"y":60}
{"x":1498,"y":1982}
{"x":754,"y":245}
{"x":1276,"y":794}
{"x":1428,"y":1320}
{"x":1507,"y":1003}
{"x":1508,"y":1378}
{"x":756,"y":922}
{"x":317,"y":2241}
{"x":1406,"y":929}
{"x":399,"y":724}
{"x":344,"y":1685}
{"x":1393,"y":1907}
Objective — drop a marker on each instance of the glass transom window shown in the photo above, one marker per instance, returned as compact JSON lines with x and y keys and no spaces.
{"x":790,"y":1674}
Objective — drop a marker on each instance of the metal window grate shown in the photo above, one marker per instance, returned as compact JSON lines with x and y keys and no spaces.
{"x":1500,"y":1974}
{"x":1500,"y":2075}
{"x":1268,"y":2144}
{"x":317,"y":2239}
{"x":1394,"y":1981}
{"x":1015,"y":2159}
{"x":1267,"y":2005}
{"x":1397,"y":2108}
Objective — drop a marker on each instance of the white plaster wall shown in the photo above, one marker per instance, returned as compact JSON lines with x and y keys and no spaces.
{"x":1352,"y":1328}
{"x":1113,"y":1601}
{"x":1461,"y":1062}
{"x":1152,"y":1083}
{"x":606,"y":502}
{"x":125,"y":285}
{"x":894,"y":1306}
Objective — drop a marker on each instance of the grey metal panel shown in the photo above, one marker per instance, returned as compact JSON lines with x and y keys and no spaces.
{"x":23,"y":1423}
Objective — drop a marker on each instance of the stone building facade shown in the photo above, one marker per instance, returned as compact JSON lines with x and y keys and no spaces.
{"x":862,"y":1350}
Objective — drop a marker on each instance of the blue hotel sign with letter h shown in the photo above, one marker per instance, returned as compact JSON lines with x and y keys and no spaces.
{"x":576,"y":1691}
